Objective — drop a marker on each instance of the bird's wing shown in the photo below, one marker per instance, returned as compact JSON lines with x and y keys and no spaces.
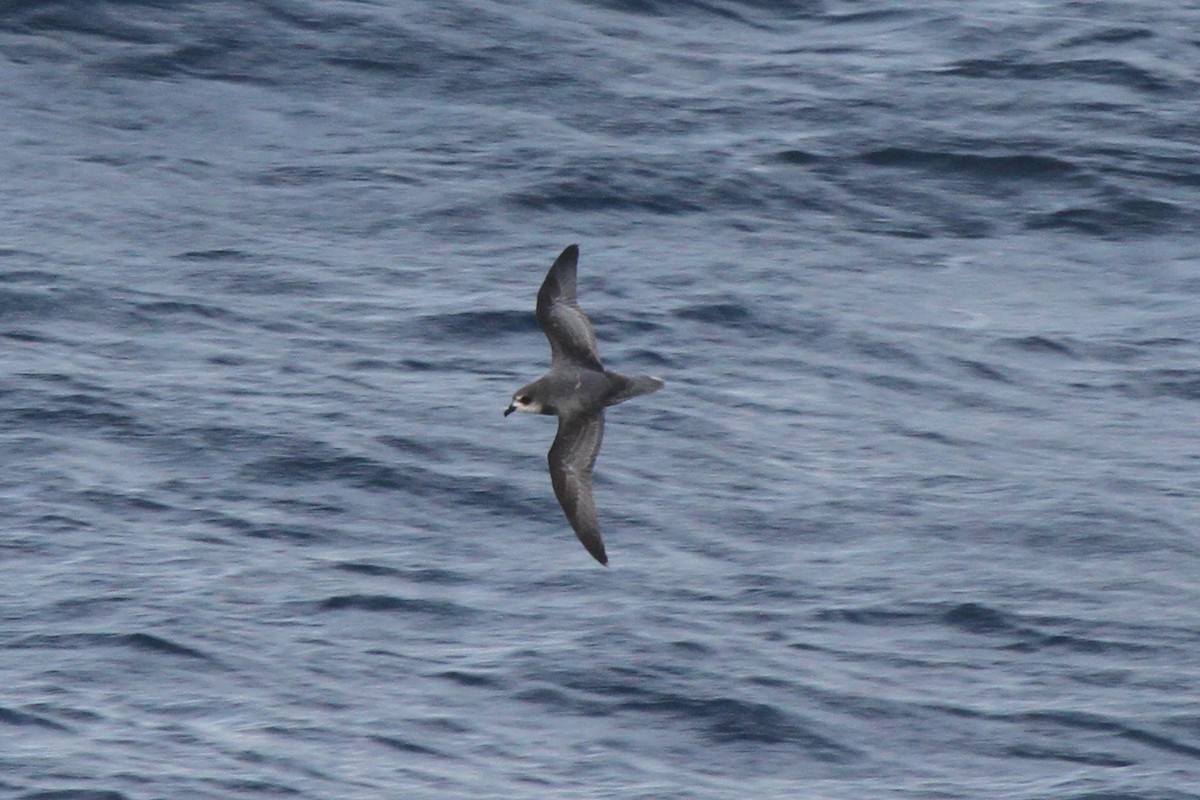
{"x":572,"y":340}
{"x":571,"y":458}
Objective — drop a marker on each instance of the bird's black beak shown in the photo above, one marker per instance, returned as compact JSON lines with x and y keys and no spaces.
{"x":509,"y":410}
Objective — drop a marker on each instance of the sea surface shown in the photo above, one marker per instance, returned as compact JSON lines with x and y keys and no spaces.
{"x":917,"y":514}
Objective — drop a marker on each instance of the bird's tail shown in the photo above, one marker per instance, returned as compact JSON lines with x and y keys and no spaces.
{"x":633,"y":386}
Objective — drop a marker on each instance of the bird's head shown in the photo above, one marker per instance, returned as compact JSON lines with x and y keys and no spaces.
{"x":525,"y":400}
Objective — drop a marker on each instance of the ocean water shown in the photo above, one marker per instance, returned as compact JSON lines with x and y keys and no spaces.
{"x":916,"y":515}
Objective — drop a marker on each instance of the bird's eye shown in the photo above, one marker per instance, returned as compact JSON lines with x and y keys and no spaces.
{"x":524,"y":399}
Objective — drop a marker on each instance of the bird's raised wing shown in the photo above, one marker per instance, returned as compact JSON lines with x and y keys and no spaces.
{"x":571,"y":458}
{"x":572,"y":340}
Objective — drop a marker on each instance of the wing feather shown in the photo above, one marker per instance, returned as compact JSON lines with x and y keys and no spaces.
{"x":571,"y":458}
{"x":572,"y":340}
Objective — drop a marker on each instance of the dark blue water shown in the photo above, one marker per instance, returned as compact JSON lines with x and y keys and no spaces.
{"x":916,"y":515}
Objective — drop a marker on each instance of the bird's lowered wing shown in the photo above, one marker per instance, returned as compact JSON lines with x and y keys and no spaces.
{"x":571,"y":458}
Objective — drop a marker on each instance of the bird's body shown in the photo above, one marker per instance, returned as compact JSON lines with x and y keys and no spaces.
{"x":577,"y":389}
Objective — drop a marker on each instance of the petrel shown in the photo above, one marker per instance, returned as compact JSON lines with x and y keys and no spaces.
{"x":577,"y":389}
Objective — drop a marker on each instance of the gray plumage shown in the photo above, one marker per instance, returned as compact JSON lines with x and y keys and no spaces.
{"x":577,"y":389}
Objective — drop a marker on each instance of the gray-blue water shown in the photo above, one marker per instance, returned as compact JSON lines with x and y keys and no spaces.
{"x":916,"y":515}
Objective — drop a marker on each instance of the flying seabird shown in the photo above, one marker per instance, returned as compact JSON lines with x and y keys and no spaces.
{"x":577,"y":389}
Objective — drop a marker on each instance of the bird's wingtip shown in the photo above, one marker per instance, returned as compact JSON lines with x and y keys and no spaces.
{"x":598,"y":553}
